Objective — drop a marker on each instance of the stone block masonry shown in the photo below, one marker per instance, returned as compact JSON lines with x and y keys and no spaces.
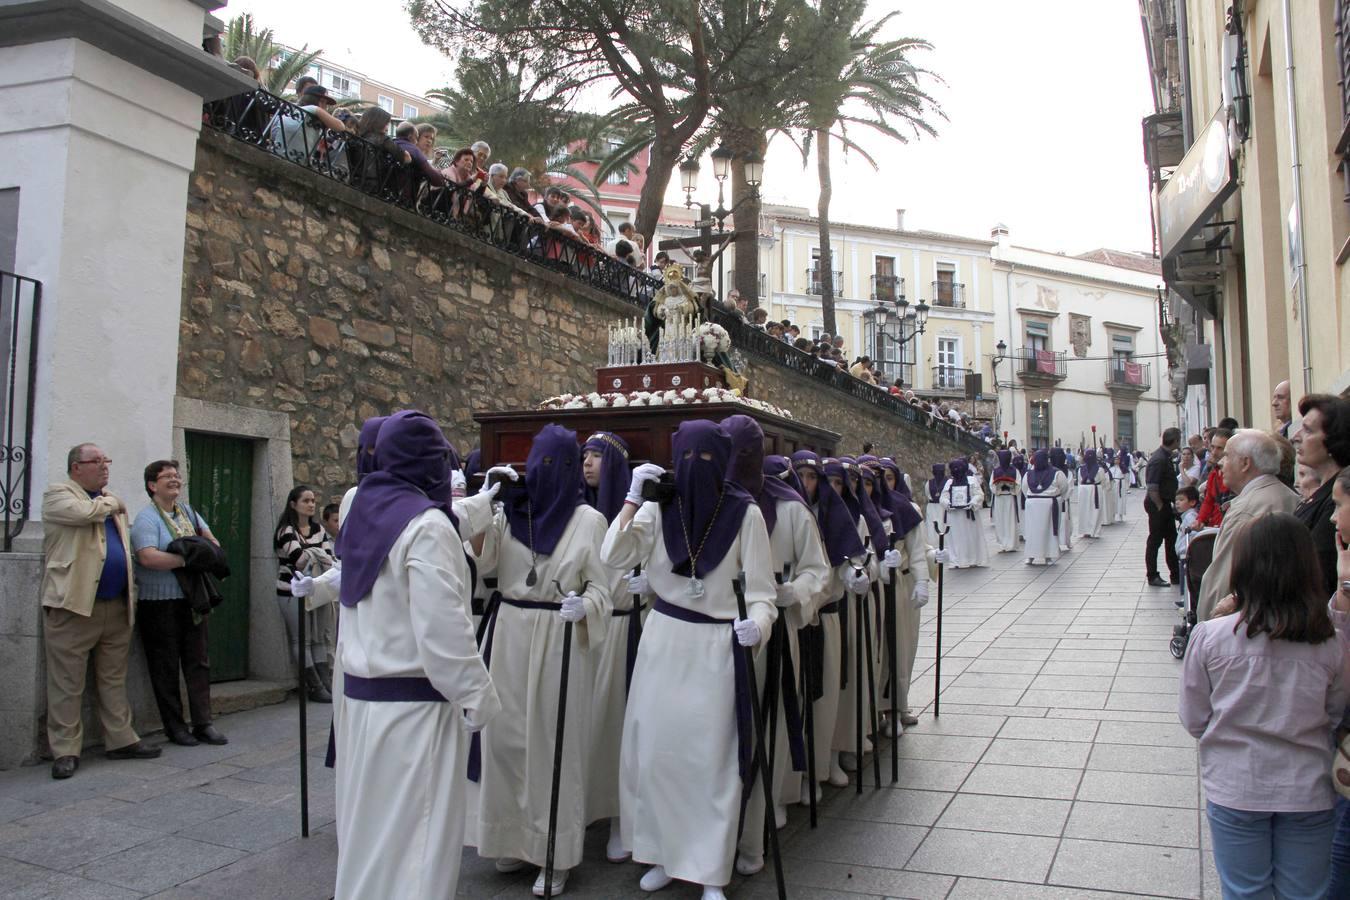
{"x":303,"y":296}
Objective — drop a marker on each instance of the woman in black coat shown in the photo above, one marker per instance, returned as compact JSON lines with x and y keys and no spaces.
{"x":1322,"y":442}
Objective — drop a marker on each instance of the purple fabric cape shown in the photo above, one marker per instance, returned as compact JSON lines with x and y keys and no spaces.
{"x":748,"y":468}
{"x":1059,"y":459}
{"x":699,"y":483}
{"x":552,"y":490}
{"x":780,"y":468}
{"x":1088,"y":473}
{"x":837,"y":529}
{"x":415,"y":461}
{"x":936,"y":482}
{"x":858,"y":503}
{"x":365,"y":446}
{"x":1042,"y":473}
{"x":614,"y":475}
{"x":1004,"y":471}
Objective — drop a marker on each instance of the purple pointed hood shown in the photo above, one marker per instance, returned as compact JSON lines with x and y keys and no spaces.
{"x":1059,"y":459}
{"x":608,"y":496}
{"x":1004,"y":471}
{"x":1042,"y":474}
{"x":365,"y":446}
{"x":904,"y":517}
{"x":936,"y":482}
{"x":706,"y":515}
{"x":838,"y":529}
{"x":539,"y":514}
{"x":1088,"y":473}
{"x":748,"y":468}
{"x":780,"y":468}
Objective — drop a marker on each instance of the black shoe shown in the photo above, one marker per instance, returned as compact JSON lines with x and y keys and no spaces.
{"x":65,"y":766}
{"x":138,"y":750}
{"x":181,"y":737}
{"x":207,"y":734}
{"x":1155,"y":581}
{"x":314,"y":688}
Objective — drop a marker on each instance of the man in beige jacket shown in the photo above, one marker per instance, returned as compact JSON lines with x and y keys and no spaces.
{"x":1250,"y":463}
{"x":89,"y":600}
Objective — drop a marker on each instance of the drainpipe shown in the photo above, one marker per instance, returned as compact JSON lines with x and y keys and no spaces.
{"x":1296,"y":170}
{"x":1184,"y":54}
{"x":1012,"y":385}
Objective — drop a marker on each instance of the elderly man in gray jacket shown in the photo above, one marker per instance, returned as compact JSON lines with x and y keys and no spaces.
{"x":1251,"y":462}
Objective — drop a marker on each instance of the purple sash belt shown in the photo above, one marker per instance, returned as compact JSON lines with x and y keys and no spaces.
{"x":393,"y":689}
{"x":744,"y":737}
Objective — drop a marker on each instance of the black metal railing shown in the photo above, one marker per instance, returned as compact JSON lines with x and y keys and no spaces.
{"x":950,"y":378}
{"x":20,"y":309}
{"x":1129,"y":375}
{"x":949,"y":293}
{"x":887,"y":288}
{"x":814,"y":285}
{"x":1036,"y":364}
{"x":1343,"y":78}
{"x":759,"y":343}
{"x":284,"y":129}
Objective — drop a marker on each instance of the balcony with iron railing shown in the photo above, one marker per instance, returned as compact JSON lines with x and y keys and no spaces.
{"x":1129,"y":376}
{"x":1040,"y":366}
{"x":887,"y":288}
{"x":949,"y":293}
{"x":815,"y":284}
{"x":949,"y":380}
{"x":763,"y":291}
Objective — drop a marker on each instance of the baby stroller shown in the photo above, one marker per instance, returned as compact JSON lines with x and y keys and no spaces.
{"x":1199,"y":553}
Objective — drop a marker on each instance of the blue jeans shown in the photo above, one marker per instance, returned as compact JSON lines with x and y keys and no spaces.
{"x":1264,"y":855}
{"x":1340,"y":853}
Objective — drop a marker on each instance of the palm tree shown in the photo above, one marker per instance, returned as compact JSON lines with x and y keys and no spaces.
{"x":244,"y":38}
{"x":873,"y":85}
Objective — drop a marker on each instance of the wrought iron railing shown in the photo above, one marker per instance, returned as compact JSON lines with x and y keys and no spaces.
{"x":284,"y":129}
{"x":949,"y":293}
{"x":1343,"y":77}
{"x":1129,"y":375}
{"x":814,"y":278}
{"x":20,"y":308}
{"x":1041,"y":364}
{"x":887,"y":288}
{"x":950,"y":378}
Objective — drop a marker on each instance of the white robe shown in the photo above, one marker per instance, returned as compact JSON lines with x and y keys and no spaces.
{"x":1111,"y":495}
{"x":1007,"y":517}
{"x":1037,"y":517}
{"x":795,"y":542}
{"x":966,"y":538}
{"x":515,"y":787}
{"x":679,"y":782}
{"x":825,"y":710}
{"x":1120,"y":499}
{"x":1092,"y":503}
{"x":913,"y":569}
{"x":401,"y":793}
{"x":932,"y":519}
{"x":609,"y":699}
{"x":845,"y":736}
{"x":1065,"y":513}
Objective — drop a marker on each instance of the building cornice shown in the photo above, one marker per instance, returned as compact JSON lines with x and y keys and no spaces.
{"x":909,"y":236}
{"x":125,"y":36}
{"x":1015,"y":266}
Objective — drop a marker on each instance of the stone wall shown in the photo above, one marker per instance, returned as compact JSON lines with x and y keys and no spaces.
{"x":304,"y":296}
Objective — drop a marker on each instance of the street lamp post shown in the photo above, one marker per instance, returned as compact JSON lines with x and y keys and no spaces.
{"x":916,"y":319}
{"x":722,"y":158}
{"x":1000,"y":354}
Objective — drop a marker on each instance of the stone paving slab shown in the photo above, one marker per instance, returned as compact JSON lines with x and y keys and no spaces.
{"x":1056,"y":770}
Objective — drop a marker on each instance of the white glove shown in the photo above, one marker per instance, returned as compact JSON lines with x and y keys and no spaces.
{"x":573,"y":607}
{"x":857,"y":582}
{"x":471,"y":722}
{"x":787,"y":595}
{"x":642,"y":474}
{"x":920,"y":594}
{"x":747,"y":632}
{"x":491,"y":486}
{"x":637,"y":583}
{"x":301,"y":585}
{"x":943,"y":557}
{"x":891,"y":560}
{"x":458,"y":483}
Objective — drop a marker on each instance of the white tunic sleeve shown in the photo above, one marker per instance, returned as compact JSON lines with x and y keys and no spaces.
{"x":625,"y":548}
{"x":474,"y":514}
{"x":755,"y":560}
{"x":916,"y":547}
{"x":945,"y":497}
{"x":796,"y":541}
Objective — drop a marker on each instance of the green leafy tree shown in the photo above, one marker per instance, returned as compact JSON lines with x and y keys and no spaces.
{"x":243,"y":37}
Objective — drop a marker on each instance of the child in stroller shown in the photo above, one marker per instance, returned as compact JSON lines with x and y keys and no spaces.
{"x":1195,"y":550}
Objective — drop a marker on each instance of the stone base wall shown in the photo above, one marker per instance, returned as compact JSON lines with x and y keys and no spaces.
{"x":304,"y":296}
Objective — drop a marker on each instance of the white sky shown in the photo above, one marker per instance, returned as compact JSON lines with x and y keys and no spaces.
{"x":1044,"y":100}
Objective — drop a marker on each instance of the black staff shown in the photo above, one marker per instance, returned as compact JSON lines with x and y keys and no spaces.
{"x":892,"y":624}
{"x":872,"y":722}
{"x":738,"y":585}
{"x":558,"y":748}
{"x":857,"y":674}
{"x":304,"y":726}
{"x":937,"y":667}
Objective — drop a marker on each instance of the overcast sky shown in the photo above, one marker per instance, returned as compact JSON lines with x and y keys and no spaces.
{"x":1044,"y":100}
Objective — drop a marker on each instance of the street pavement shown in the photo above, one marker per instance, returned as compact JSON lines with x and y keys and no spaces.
{"x":1056,"y":769}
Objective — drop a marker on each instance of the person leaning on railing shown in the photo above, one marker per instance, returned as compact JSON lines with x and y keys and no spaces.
{"x":424,"y":172}
{"x":297,"y":131}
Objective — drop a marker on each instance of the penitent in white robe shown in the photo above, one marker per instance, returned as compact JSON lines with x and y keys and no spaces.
{"x":913,"y":569}
{"x":1120,"y":497}
{"x":1006,"y":515}
{"x":1037,"y":516}
{"x":966,"y":538}
{"x":845,"y":733}
{"x":932,"y":519}
{"x":400,"y":765}
{"x":679,"y":781}
{"x":1065,"y":512}
{"x":1111,"y":494}
{"x":825,"y":711}
{"x":796,"y":543}
{"x":1092,"y":503}
{"x":609,"y":699}
{"x":518,"y":746}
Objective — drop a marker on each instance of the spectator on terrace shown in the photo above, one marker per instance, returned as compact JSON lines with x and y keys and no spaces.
{"x":630,"y":234}
{"x":518,"y":192}
{"x":659,"y":264}
{"x":859,"y":367}
{"x":297,"y":135}
{"x":303,"y":83}
{"x":623,"y":252}
{"x":246,"y":65}
{"x":426,"y":139}
{"x":839,"y":343}
{"x":584,"y":223}
{"x":481,"y":152}
{"x":793,"y":331}
{"x":368,"y":167}
{"x":897,"y":388}
{"x":423,"y":171}
{"x":496,"y":185}
{"x":554,"y":196}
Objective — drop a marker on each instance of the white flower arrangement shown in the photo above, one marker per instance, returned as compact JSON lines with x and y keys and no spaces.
{"x":685,"y":397}
{"x":713,"y":338}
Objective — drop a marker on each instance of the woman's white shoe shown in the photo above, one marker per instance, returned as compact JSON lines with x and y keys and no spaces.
{"x":559,"y":882}
{"x":655,"y":879}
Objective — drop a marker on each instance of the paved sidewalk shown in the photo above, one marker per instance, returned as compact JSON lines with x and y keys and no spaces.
{"x":1056,"y":770}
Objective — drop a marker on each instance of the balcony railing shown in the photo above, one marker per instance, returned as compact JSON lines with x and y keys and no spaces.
{"x":887,"y":288}
{"x":1041,"y":365}
{"x":949,"y":379}
{"x":763,"y":293}
{"x":949,"y":293}
{"x":1126,"y":375}
{"x":814,"y":285}
{"x":20,"y":308}
{"x":1343,"y":78}
{"x":282,"y":128}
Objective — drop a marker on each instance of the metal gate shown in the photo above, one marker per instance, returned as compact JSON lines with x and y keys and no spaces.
{"x":220,"y":483}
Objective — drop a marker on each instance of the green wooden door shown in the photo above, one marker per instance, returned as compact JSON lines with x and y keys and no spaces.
{"x":220,"y":484}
